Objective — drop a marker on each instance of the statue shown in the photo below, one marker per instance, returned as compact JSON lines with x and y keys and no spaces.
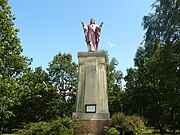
{"x":92,"y":34}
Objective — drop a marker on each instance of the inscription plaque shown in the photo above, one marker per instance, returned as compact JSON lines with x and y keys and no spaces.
{"x":90,"y":108}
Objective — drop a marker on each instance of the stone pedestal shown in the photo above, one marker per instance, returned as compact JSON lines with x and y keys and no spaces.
{"x":92,"y":98}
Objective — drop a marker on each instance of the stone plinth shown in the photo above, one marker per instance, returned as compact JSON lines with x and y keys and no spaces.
{"x":92,"y":98}
{"x":95,"y":126}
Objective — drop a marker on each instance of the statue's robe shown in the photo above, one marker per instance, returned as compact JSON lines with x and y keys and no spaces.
{"x":92,"y":35}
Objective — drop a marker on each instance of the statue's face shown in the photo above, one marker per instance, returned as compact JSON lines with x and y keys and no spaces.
{"x":92,"y":21}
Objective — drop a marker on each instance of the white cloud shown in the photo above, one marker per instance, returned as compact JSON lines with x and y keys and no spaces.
{"x":110,"y":44}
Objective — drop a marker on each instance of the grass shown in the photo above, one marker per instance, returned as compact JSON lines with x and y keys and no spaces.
{"x":151,"y":131}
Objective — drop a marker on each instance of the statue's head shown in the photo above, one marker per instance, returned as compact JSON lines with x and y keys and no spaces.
{"x":92,"y":21}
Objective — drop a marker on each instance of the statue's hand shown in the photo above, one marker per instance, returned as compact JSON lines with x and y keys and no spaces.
{"x":82,"y":24}
{"x":101,"y":24}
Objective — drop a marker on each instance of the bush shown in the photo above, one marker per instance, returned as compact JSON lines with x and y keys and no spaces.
{"x":33,"y":128}
{"x":127,"y":124}
{"x":110,"y":131}
{"x":60,"y":126}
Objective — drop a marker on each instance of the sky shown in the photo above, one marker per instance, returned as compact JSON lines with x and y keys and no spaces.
{"x":48,"y":27}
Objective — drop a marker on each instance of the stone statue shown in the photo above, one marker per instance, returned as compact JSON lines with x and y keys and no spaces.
{"x":92,"y":34}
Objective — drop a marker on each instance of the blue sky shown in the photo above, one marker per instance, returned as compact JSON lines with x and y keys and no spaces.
{"x":48,"y":27}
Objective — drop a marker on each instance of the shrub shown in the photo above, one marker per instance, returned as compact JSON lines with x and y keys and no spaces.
{"x":127,"y":124}
{"x":110,"y":131}
{"x":60,"y":126}
{"x":35,"y":128}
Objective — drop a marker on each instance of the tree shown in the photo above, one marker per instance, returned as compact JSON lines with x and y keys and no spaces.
{"x":156,"y":77}
{"x":133,"y":98}
{"x":12,"y":63}
{"x":163,"y":54}
{"x":63,"y":76}
{"x":41,"y":100}
{"x":114,"y":83}
{"x":9,"y":97}
{"x":38,"y":93}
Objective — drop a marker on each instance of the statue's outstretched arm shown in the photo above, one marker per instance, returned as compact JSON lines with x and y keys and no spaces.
{"x":83,"y":24}
{"x":101,"y":24}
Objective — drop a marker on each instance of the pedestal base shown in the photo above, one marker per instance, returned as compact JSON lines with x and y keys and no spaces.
{"x":92,"y":96}
{"x":95,"y":126}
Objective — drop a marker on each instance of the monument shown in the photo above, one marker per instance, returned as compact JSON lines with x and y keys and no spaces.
{"x":92,"y":34}
{"x":92,"y":98}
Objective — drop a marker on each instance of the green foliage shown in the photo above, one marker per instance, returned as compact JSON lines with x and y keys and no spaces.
{"x":110,"y":131}
{"x":46,"y":96}
{"x":40,"y":101}
{"x":153,"y":87}
{"x":9,"y":96}
{"x":63,"y":76}
{"x":114,"y":83}
{"x":60,"y":126}
{"x":12,"y":64}
{"x":38,"y":93}
{"x":127,"y":124}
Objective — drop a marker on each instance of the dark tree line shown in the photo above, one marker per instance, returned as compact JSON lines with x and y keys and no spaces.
{"x":153,"y":88}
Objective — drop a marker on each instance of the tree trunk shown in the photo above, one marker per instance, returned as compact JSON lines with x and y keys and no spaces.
{"x":1,"y":125}
{"x":173,"y":121}
{"x":160,"y":127}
